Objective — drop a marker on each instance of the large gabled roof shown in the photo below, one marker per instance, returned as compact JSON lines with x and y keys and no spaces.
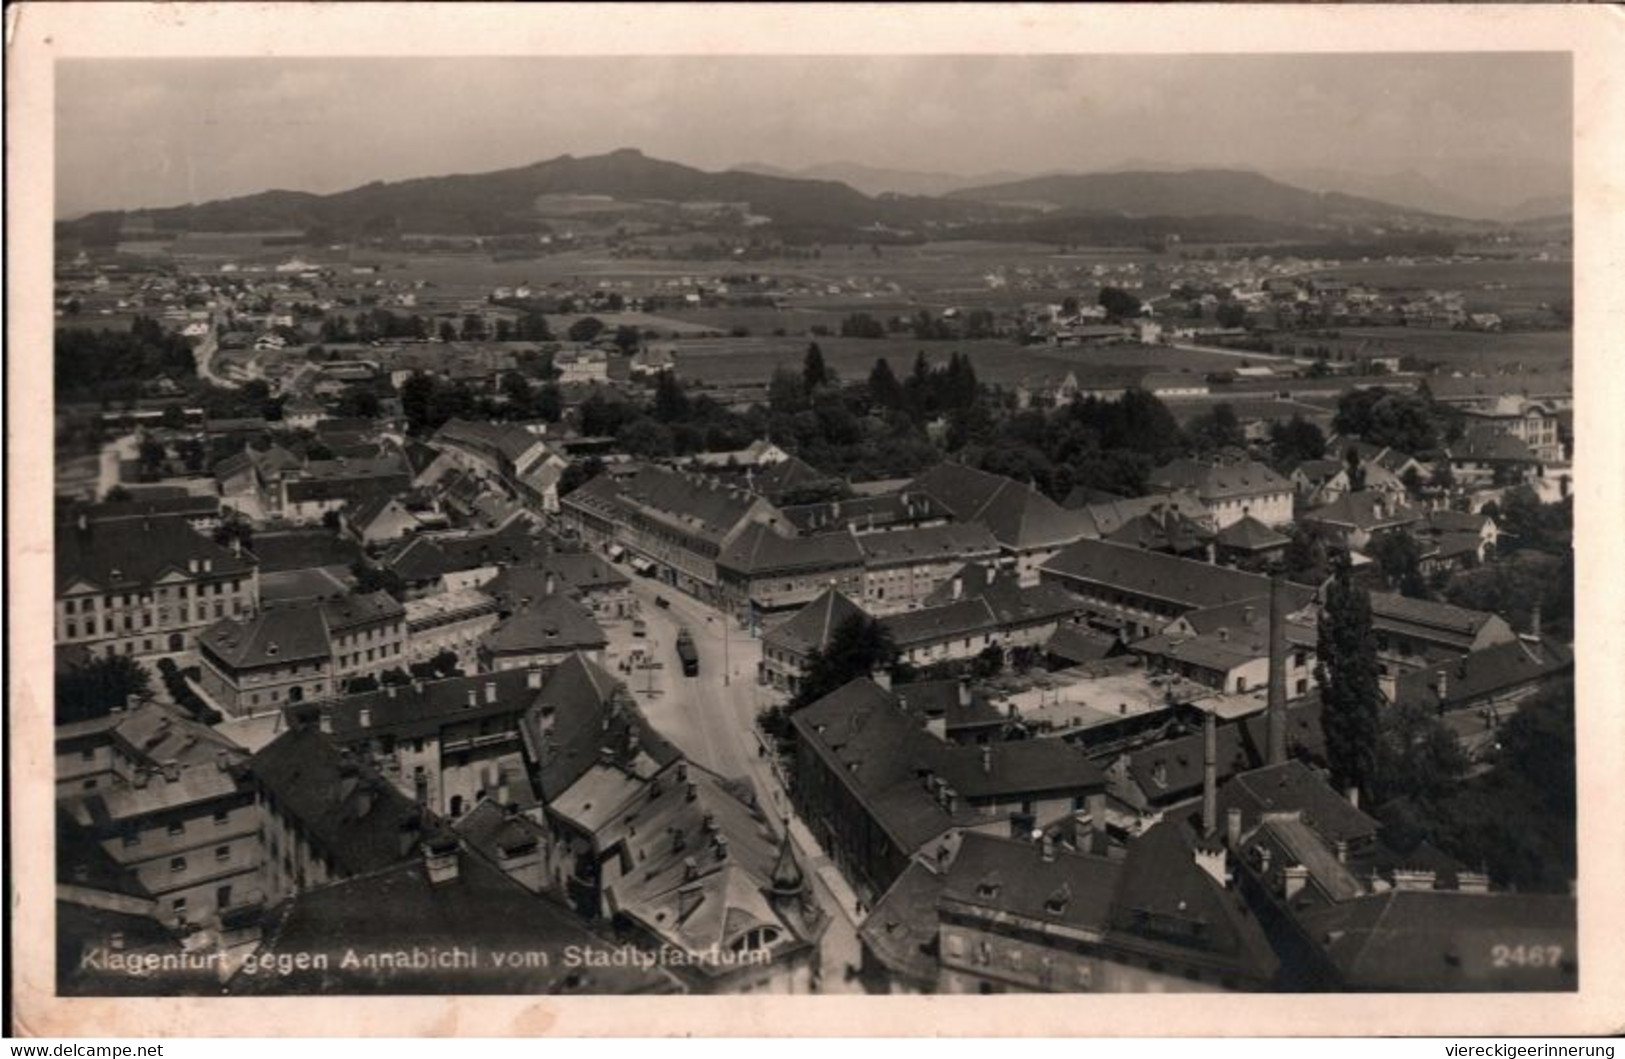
{"x":759,"y":549}
{"x":1019,"y":516}
{"x":1186,"y":582}
{"x":553,"y":623}
{"x":811,"y":627}
{"x":133,"y":555}
{"x":1219,"y":481}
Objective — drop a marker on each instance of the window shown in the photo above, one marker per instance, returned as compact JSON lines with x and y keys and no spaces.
{"x":89,"y":784}
{"x":132,"y":838}
{"x":68,"y":608}
{"x":222,"y":897}
{"x":177,"y":827}
{"x":222,"y":854}
{"x":222,"y":817}
{"x":87,"y":755}
{"x":178,"y":906}
{"x":177,"y":865}
{"x":73,"y":629}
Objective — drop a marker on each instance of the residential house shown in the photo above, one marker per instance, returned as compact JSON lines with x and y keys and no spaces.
{"x":584,"y":576}
{"x":764,"y":570}
{"x":445,"y":744}
{"x":878,"y":788}
{"x":676,"y":525}
{"x":1357,"y":519}
{"x":1249,"y":540}
{"x":1024,"y":916}
{"x":1481,"y":688}
{"x":997,"y":613}
{"x":323,"y":486}
{"x":430,"y":563}
{"x":300,"y":652}
{"x":1414,"y":633}
{"x":449,"y":621}
{"x":1231,"y":489}
{"x":1141,"y":592}
{"x":902,"y":567}
{"x":542,"y":633}
{"x":1488,"y":456}
{"x":145,"y":588}
{"x":1029,"y":527}
{"x":788,"y":646}
{"x":379,"y":519}
{"x":171,"y":810}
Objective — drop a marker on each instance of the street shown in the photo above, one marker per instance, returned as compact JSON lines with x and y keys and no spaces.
{"x":712,"y":720}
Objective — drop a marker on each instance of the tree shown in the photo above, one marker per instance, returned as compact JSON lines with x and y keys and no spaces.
{"x":671,"y":403}
{"x":860,"y":645}
{"x":150,"y":456}
{"x":585,"y":329}
{"x":1400,"y":558}
{"x":1518,"y":820}
{"x":1118,"y":303}
{"x":370,"y":578}
{"x":578,"y":473}
{"x":884,"y":389}
{"x":1231,"y":314}
{"x":862,"y":325}
{"x":1295,"y":441}
{"x":1419,"y":765}
{"x":646,"y":438}
{"x":92,"y":689}
{"x":813,"y":372}
{"x":1217,"y":429}
{"x":1356,"y":469}
{"x":1346,"y":669}
{"x":448,"y":331}
{"x":445,"y":663}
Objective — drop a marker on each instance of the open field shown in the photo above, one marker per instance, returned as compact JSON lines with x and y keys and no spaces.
{"x":752,"y":360}
{"x":1457,"y":350}
{"x":1488,"y":286}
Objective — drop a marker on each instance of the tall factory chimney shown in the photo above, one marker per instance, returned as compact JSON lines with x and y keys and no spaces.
{"x":1210,"y":774}
{"x":1276,"y":713}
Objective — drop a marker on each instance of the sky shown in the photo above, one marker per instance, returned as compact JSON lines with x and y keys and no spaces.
{"x":135,"y":133}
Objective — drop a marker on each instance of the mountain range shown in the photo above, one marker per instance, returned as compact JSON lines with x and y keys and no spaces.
{"x":795,"y":206}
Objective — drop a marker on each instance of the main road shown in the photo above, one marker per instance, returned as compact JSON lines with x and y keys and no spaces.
{"x":712,"y":719}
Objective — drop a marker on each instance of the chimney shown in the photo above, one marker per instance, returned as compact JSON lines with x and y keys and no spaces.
{"x":1342,"y":848}
{"x":547,"y":586}
{"x":533,"y":679}
{"x":364,"y":717}
{"x":1232,"y":828}
{"x":326,"y":722}
{"x":1212,"y":554}
{"x":987,"y":757}
{"x":1210,"y":774}
{"x":959,"y":587}
{"x":1534,"y":621}
{"x":1442,"y":684}
{"x":441,"y":858}
{"x":721,"y":844}
{"x":882,"y":677}
{"x":1247,"y":613}
{"x":1095,"y":803}
{"x":1276,"y":709}
{"x":964,"y":693}
{"x":1046,"y":849}
{"x":490,"y":692}
{"x":1472,"y":882}
{"x":1293,"y":879}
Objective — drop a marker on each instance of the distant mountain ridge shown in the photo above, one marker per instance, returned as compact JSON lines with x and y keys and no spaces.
{"x":1193,"y":193}
{"x":510,"y":201}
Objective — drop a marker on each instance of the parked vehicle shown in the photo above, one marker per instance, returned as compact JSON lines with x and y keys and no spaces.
{"x":640,"y":628}
{"x":687,"y":654}
{"x":662,"y":601}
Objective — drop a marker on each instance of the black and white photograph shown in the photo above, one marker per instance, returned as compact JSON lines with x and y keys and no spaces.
{"x":881,"y":525}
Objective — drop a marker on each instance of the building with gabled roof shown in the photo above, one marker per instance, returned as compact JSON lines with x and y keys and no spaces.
{"x":1230,"y":489}
{"x":764,"y":570}
{"x":147,"y":587}
{"x":1358,"y":518}
{"x":1413,"y":633}
{"x":1249,"y":539}
{"x":447,"y":899}
{"x":327,"y":814}
{"x":999,"y":613}
{"x":1485,"y":454}
{"x":300,"y":652}
{"x":1029,"y":526}
{"x":877,"y":786}
{"x":542,"y":633}
{"x":169,"y":809}
{"x":1140,"y":591}
{"x":903,"y":568}
{"x":678,"y":524}
{"x":788,"y":646}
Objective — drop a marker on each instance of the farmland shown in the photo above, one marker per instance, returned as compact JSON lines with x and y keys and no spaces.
{"x":741,"y":361}
{"x":1488,"y":286}
{"x":1455,"y":350}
